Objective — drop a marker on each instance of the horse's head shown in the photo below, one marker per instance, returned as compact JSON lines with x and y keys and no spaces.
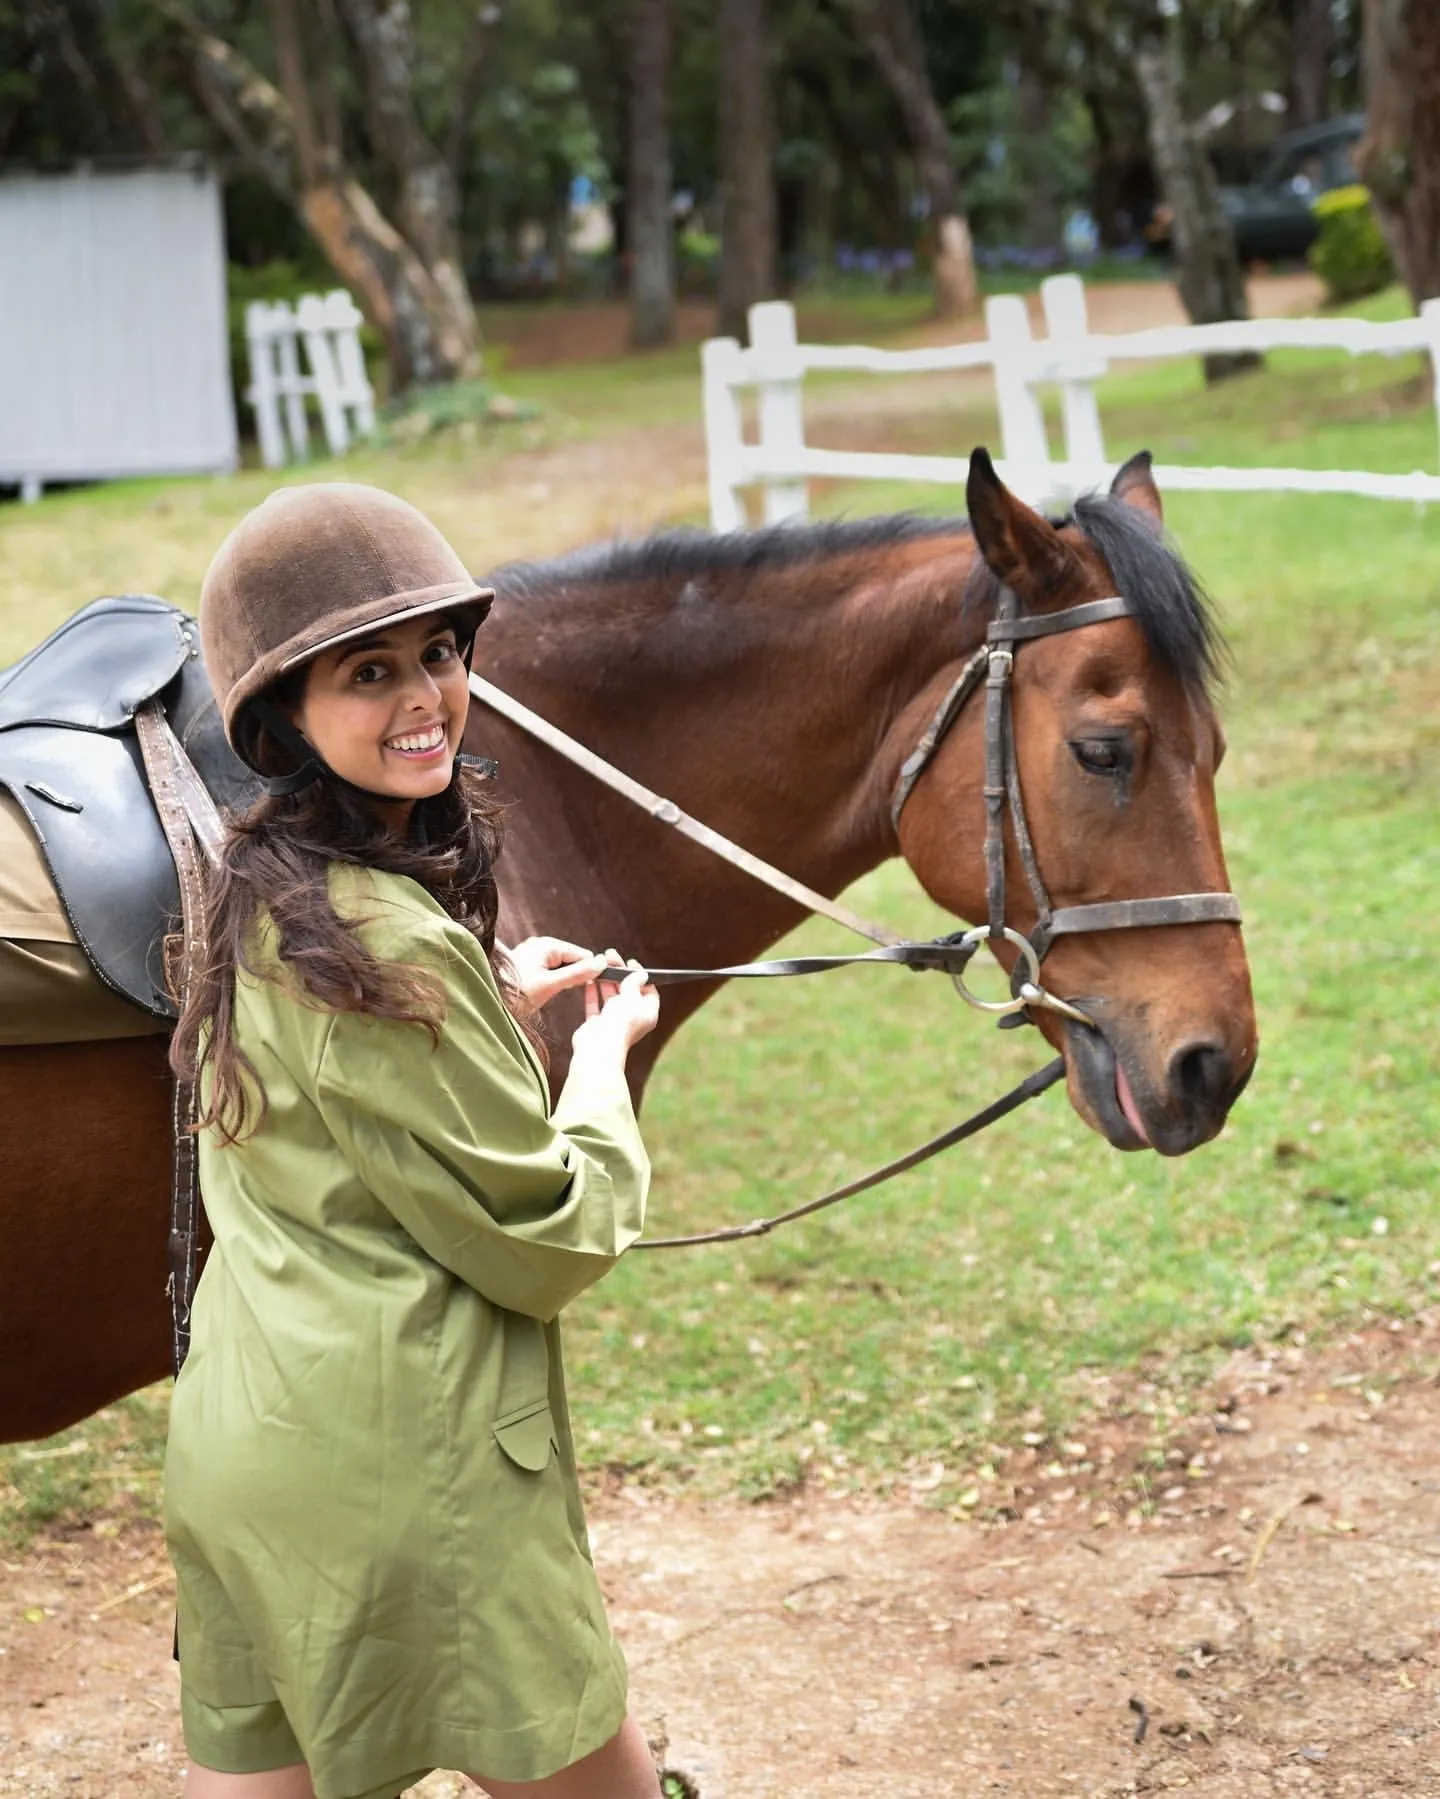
{"x":1115,"y":745}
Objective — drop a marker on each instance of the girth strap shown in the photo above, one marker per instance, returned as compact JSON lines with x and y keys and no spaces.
{"x":192,"y":827}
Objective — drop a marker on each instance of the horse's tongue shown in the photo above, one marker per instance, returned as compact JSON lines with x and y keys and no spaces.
{"x":1127,"y":1104}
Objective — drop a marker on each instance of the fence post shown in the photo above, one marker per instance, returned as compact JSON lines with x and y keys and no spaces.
{"x":355,"y":389}
{"x":1067,"y":324}
{"x":1430,"y":318}
{"x":314,"y":319}
{"x":290,"y":381}
{"x":782,"y":415}
{"x":722,"y":365}
{"x":1022,"y":424}
{"x":262,"y":392}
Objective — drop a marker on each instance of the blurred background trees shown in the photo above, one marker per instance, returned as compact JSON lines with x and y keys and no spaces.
{"x":429,"y":153}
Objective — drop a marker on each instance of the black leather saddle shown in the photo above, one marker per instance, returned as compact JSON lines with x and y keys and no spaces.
{"x":70,"y":757}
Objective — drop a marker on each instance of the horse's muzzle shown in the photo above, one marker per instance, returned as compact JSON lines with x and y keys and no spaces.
{"x":1201,"y":1081}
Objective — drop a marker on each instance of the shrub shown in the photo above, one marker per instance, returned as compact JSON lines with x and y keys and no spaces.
{"x":1350,"y":255}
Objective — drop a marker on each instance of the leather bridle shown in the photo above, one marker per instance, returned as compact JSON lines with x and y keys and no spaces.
{"x":994,"y":664}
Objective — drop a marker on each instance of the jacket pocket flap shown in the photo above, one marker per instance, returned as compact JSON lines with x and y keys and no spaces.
{"x":527,"y":1435}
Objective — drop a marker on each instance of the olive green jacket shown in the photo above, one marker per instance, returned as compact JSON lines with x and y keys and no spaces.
{"x":371,"y":1495}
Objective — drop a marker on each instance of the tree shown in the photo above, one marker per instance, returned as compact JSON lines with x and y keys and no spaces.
{"x":1207,"y":269}
{"x":1312,"y":39}
{"x":406,"y":271}
{"x":650,"y":230}
{"x":1399,"y":156}
{"x":892,"y":36}
{"x":747,"y":192}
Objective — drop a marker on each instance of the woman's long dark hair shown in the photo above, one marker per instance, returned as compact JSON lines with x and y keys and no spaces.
{"x":276,"y":863}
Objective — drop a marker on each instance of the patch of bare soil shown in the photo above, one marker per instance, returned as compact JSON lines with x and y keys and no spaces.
{"x":600,"y":331}
{"x":1258,"y":1618}
{"x":631,"y":481}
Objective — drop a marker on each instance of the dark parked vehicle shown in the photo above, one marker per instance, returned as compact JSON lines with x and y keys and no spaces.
{"x":1273,"y":215}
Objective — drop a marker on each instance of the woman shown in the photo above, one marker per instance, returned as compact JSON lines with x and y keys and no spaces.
{"x":371,"y":1496}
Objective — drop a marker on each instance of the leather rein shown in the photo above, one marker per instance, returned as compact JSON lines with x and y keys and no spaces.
{"x":195,"y":831}
{"x":993,"y":664}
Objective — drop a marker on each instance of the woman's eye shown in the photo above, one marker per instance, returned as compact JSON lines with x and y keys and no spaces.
{"x":368,"y":673}
{"x":1101,"y":755}
{"x":441,"y":652}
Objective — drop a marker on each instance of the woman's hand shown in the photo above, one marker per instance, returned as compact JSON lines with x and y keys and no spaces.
{"x":545,"y":966}
{"x":617,"y":1017}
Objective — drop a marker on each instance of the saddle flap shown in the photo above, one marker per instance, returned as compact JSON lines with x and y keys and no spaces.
{"x":102,"y":663}
{"x":85,"y":797}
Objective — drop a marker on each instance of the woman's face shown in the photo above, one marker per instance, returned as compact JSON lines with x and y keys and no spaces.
{"x":387,"y":712}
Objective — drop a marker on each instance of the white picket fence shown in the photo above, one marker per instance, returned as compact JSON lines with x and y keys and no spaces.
{"x":780,"y":463}
{"x":327,"y":327}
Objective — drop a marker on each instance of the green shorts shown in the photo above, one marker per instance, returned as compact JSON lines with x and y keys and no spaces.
{"x":254,"y":1739}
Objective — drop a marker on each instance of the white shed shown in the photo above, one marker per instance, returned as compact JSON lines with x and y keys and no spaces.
{"x":114,"y":354}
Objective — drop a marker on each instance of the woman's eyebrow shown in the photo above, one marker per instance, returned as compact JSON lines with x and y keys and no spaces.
{"x":367,"y":644}
{"x":364,"y":647}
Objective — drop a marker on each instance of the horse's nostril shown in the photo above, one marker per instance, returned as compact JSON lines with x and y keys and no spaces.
{"x":1200,"y":1074}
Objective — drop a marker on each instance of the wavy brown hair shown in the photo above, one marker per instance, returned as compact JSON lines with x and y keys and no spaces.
{"x":276,"y":865}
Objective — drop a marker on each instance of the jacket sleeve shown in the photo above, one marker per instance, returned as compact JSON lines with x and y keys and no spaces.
{"x":455,"y":1142}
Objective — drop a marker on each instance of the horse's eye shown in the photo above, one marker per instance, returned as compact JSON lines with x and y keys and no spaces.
{"x":1101,"y":755}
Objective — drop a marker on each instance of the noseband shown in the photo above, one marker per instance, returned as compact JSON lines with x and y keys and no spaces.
{"x":994,"y":663}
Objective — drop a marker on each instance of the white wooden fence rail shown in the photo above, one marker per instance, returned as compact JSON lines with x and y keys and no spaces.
{"x":780,"y":462}
{"x":328,"y":326}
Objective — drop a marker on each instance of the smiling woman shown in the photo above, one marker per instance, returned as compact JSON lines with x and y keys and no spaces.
{"x":370,"y":1484}
{"x":387,"y":714}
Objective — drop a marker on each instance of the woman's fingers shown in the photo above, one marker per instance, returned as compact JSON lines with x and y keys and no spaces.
{"x":559,"y":953}
{"x":569,"y":974}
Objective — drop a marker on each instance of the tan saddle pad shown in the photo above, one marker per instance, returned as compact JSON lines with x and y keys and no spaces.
{"x":48,"y":991}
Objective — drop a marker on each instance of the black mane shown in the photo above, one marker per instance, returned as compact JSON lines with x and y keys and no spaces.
{"x":686,"y":554}
{"x":1171,"y":607}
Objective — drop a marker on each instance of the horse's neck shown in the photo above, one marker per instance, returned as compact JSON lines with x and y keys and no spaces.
{"x":775,"y":716}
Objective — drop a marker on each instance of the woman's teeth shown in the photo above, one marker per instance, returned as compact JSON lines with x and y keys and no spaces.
{"x":418,"y":740}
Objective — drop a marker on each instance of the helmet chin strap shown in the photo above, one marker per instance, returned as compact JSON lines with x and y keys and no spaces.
{"x":312,"y":767}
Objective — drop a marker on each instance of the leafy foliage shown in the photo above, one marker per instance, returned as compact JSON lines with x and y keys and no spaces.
{"x":1350,"y":255}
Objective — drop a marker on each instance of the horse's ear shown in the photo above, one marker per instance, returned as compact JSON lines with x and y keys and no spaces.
{"x":1027,"y":553}
{"x":1134,"y":483}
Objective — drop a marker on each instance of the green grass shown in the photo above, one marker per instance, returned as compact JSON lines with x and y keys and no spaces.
{"x":1026,"y":1280}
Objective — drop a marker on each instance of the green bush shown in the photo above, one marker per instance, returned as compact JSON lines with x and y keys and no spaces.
{"x":1350,"y":255}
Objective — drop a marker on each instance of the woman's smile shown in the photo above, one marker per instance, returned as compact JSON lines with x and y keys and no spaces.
{"x":420,"y":746}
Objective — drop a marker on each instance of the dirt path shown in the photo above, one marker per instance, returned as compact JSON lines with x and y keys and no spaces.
{"x":632,"y":480}
{"x":1273,"y":1606}
{"x":600,"y":332}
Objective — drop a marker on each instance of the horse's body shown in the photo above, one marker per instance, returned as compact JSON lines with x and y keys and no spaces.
{"x":772,"y":684}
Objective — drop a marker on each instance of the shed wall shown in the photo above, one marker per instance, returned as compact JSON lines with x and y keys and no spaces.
{"x":114,"y":355}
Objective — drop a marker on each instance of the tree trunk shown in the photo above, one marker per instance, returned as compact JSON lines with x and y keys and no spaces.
{"x":1399,"y":156}
{"x":277,"y":132}
{"x":892,"y":36}
{"x":651,"y":232}
{"x":747,"y":222}
{"x":1207,"y":269}
{"x":426,"y":204}
{"x":1312,"y":38}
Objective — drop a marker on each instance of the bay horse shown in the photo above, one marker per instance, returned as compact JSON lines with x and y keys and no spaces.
{"x":772,"y":683}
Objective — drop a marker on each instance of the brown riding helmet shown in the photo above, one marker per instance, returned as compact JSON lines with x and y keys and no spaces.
{"x":310,"y":568}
